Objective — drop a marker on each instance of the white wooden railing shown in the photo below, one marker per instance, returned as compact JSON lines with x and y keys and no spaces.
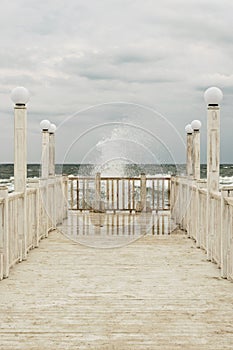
{"x":27,"y":218}
{"x":207,"y":218}
{"x":102,"y":193}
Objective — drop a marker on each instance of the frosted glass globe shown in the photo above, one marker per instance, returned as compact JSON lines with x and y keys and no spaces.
{"x":189,"y":129}
{"x":20,"y":95}
{"x":45,"y":124}
{"x":196,"y":125}
{"x":213,"y":96}
{"x":52,"y":128}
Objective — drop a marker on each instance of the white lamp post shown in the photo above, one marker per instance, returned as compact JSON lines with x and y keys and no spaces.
{"x":196,"y":126}
{"x":20,"y":97}
{"x":45,"y":125}
{"x":189,"y":162}
{"x":213,"y":96}
{"x":52,"y":130}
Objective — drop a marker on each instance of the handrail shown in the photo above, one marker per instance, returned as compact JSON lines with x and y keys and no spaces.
{"x":103,"y":193}
{"x":207,"y":218}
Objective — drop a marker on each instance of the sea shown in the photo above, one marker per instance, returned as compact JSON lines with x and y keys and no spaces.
{"x":129,"y":170}
{"x":34,"y":170}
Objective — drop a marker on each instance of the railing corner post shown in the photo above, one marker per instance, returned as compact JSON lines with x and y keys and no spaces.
{"x":4,"y":235}
{"x":224,"y":232}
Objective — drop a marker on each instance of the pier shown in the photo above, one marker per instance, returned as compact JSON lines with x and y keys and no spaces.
{"x":117,"y":262}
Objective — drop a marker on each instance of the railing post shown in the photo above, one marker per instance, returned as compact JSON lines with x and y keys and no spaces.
{"x":51,"y":154}
{"x":20,"y":96}
{"x":97,"y":192}
{"x":174,"y":201}
{"x":196,"y":155}
{"x":225,"y":192}
{"x":189,"y":207}
{"x":4,"y":235}
{"x":196,"y":125}
{"x":45,"y":125}
{"x":64,"y":190}
{"x":45,"y":155}
{"x":213,"y":97}
{"x":189,"y":150}
{"x":200,"y":184}
{"x":52,"y":130}
{"x":34,"y":183}
{"x":43,"y":186}
{"x":65,"y":193}
{"x":143,"y":192}
{"x":20,"y":144}
{"x":172,"y":198}
{"x":183,"y":200}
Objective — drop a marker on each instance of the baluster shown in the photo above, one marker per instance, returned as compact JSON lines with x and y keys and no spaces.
{"x":77,"y":194}
{"x":169,"y":194}
{"x":153,"y":194}
{"x":133,"y":194}
{"x":97,"y":192}
{"x":129,"y":207}
{"x":108,"y":197}
{"x":118,"y":194}
{"x":83,"y":197}
{"x":71,"y":194}
{"x":143,"y":192}
{"x":129,"y":226}
{"x":87,"y":195}
{"x":112,"y":194}
{"x":158,"y":206}
{"x":123,"y":194}
{"x":163,"y":194}
{"x":107,"y":223}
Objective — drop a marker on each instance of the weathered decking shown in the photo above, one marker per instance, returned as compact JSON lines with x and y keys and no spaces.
{"x":156,"y":293}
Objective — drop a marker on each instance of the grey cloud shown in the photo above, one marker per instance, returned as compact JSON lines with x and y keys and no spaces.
{"x":75,"y":54}
{"x":104,"y":66}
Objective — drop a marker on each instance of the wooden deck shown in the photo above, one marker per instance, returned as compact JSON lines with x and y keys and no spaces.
{"x":158,"y":292}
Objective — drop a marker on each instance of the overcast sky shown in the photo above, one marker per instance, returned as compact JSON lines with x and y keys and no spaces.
{"x":81,"y":60}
